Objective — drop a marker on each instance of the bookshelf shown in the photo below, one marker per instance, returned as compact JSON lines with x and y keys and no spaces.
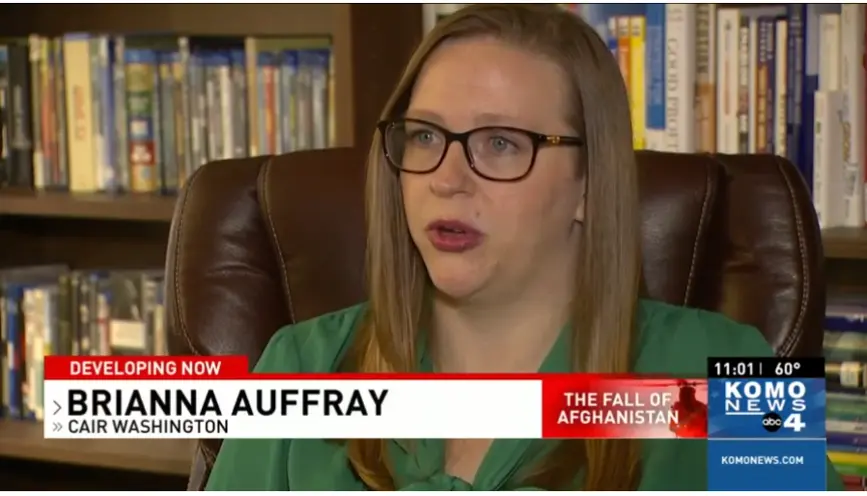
{"x":370,"y":45}
{"x":845,"y":243}
{"x":88,"y":206}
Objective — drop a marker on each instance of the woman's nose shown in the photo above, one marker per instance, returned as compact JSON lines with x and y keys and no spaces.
{"x":453,"y":176}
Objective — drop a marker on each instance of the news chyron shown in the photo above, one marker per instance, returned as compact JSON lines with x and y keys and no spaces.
{"x":766,"y":424}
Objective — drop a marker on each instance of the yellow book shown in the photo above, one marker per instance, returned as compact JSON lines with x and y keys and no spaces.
{"x":843,"y":458}
{"x":621,"y":27}
{"x":637,"y":104}
{"x":79,"y":113}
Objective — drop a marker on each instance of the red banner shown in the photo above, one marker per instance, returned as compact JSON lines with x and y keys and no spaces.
{"x":586,"y":407}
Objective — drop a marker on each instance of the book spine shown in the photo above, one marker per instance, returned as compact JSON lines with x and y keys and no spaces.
{"x":107,"y":126}
{"x":827,"y":162}
{"x":41,"y":177}
{"x":121,"y":119}
{"x":4,"y":353}
{"x":290,"y":67}
{"x":795,"y":85}
{"x":47,"y":115}
{"x":240,"y":131}
{"x":169,"y":171}
{"x":212,"y":108}
{"x":319,"y":91}
{"x":14,"y":351}
{"x":253,"y":109}
{"x":31,"y":342}
{"x":304,"y":89}
{"x":761,"y":77}
{"x":184,"y":116}
{"x":224,"y":83}
{"x":79,"y":114}
{"x":287,"y":80}
{"x":655,"y":58}
{"x":198,"y":107}
{"x":728,"y":21}
{"x":5,"y":161}
{"x":19,"y":118}
{"x":781,"y":94}
{"x":744,"y":73}
{"x":705,"y":75}
{"x":180,"y":121}
{"x":829,"y":47}
{"x":269,"y":111}
{"x":96,"y":90}
{"x":623,"y":54}
{"x":141,"y":114}
{"x":278,"y":104}
{"x":852,"y":84}
{"x":680,"y":78}
{"x":771,"y":82}
{"x":635,"y":81}
{"x":60,"y":123}
{"x":747,"y":114}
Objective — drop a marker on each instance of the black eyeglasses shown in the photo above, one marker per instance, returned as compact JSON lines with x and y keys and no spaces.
{"x":495,"y":153}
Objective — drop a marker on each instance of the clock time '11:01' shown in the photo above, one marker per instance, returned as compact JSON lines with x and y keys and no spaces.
{"x":742,"y":369}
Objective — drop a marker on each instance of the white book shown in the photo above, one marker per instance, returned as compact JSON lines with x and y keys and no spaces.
{"x":828,"y":168}
{"x":728,"y":27}
{"x":225,"y":81}
{"x":680,"y":78}
{"x":780,"y":73}
{"x":852,"y":85}
{"x":753,"y":92}
{"x":829,"y":47}
{"x":35,"y":43}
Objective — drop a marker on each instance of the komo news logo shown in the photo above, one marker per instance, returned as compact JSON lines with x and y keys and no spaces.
{"x":765,"y":399}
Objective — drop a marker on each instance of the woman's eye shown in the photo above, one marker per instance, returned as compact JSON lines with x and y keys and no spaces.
{"x":422,"y":137}
{"x":500,"y":144}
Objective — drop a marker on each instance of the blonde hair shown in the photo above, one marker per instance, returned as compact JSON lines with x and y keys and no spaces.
{"x":609,"y":267}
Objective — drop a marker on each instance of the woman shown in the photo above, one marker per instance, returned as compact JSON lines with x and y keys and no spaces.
{"x":503,"y":236}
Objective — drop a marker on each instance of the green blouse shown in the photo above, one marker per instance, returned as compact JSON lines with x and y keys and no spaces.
{"x":673,"y":340}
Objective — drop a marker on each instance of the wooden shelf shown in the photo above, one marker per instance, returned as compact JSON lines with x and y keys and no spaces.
{"x":95,"y":206}
{"x":845,"y":243}
{"x":220,"y":19}
{"x":24,"y":440}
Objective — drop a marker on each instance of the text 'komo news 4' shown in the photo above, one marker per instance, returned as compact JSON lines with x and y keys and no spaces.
{"x":766,"y":424}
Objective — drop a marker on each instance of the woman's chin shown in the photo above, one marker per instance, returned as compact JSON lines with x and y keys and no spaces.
{"x":456,"y":286}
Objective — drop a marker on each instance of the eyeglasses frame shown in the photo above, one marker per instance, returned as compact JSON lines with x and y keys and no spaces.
{"x":539,"y":140}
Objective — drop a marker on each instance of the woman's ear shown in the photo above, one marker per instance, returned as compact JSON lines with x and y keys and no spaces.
{"x":579,"y":212}
{"x":582,"y":202}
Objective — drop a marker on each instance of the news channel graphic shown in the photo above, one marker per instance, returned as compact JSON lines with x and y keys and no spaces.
{"x":766,"y":424}
{"x":583,"y":406}
{"x":199,"y":397}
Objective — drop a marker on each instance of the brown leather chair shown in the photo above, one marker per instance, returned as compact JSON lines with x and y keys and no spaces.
{"x":259,"y":243}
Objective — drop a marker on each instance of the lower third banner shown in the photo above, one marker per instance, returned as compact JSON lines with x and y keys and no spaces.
{"x":197,"y":397}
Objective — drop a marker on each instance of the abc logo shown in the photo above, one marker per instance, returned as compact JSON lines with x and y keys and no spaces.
{"x":772,"y":422}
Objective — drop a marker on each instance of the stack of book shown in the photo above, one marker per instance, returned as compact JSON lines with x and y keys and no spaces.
{"x":845,"y":348}
{"x":89,"y":113}
{"x":785,"y":79}
{"x":51,"y":310}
